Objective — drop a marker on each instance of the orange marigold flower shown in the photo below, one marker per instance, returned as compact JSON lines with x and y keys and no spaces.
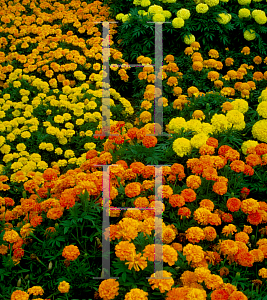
{"x":254,"y":218}
{"x":238,"y":166}
{"x":228,"y":247}
{"x":165,"y":190}
{"x":210,"y":173}
{"x":195,"y":234}
{"x":233,"y":204}
{"x":223,"y":149}
{"x":108,"y":289}
{"x":229,"y":229}
{"x":214,"y":219}
{"x":210,"y":233}
{"x":261,"y":149}
{"x":188,"y":278}
{"x":242,"y":237}
{"x":137,"y":167}
{"x":193,"y":253}
{"x":213,"y":282}
{"x":220,"y":188}
{"x":71,"y":252}
{"x":253,"y":160}
{"x":55,"y":213}
{"x":149,"y":141}
{"x":245,"y":259}
{"x":172,"y":81}
{"x":133,"y":189}
{"x":141,"y":202}
{"x":206,"y":203}
{"x":206,"y":150}
{"x":201,"y":215}
{"x":219,"y":295}
{"x":176,"y":200}
{"x":184,"y":211}
{"x":249,"y":206}
{"x":229,"y":61}
{"x":232,"y":155}
{"x":177,"y":246}
{"x":226,"y":217}
{"x":258,"y":76}
{"x":161,"y":283}
{"x":189,"y":195}
{"x":257,"y":254}
{"x":248,"y":170}
{"x":193,"y":182}
{"x":124,"y":249}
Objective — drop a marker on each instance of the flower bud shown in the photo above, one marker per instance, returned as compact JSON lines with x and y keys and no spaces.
{"x":24,"y":195}
{"x":19,"y":283}
{"x":56,"y":226}
{"x":27,"y":276}
{"x":50,"y":265}
{"x":252,"y":238}
{"x":237,"y":275}
{"x":232,"y":194}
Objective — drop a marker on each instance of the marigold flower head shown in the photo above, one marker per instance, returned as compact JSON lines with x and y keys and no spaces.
{"x":176,"y":200}
{"x":206,"y":203}
{"x":71,"y":252}
{"x":229,"y":229}
{"x":228,"y":247}
{"x":161,"y":283}
{"x":201,"y":215}
{"x":213,"y":281}
{"x":11,"y":236}
{"x":210,"y":233}
{"x":124,"y":250}
{"x":219,"y":294}
{"x":193,"y":253}
{"x":64,"y":287}
{"x":133,"y":189}
{"x":184,"y":212}
{"x":195,"y":234}
{"x":257,"y":255}
{"x":254,"y":218}
{"x":19,"y":295}
{"x":242,"y":237}
{"x":193,"y":182}
{"x":249,"y":206}
{"x":136,"y":294}
{"x":108,"y":289}
{"x":233,"y":204}
{"x":219,"y":188}
{"x":189,"y":195}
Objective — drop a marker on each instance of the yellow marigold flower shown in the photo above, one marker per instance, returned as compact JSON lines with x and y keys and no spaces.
{"x":201,"y":215}
{"x":21,"y":295}
{"x":193,"y":253}
{"x":202,"y":273}
{"x":263,"y":272}
{"x":36,"y":290}
{"x":11,"y":236}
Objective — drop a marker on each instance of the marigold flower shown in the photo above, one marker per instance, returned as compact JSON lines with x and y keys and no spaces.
{"x":233,"y":204}
{"x":242,"y":237}
{"x":263,"y":272}
{"x":201,"y":215}
{"x":189,"y":195}
{"x":226,"y":217}
{"x":136,"y":261}
{"x":71,"y":252}
{"x":214,"y":219}
{"x":21,"y":295}
{"x":210,"y":233}
{"x":238,"y":166}
{"x":133,"y":189}
{"x":219,"y":295}
{"x":162,"y":284}
{"x":213,"y":281}
{"x":136,"y":294}
{"x":254,"y":218}
{"x":11,"y":236}
{"x":229,"y":229}
{"x":176,"y":200}
{"x":219,"y":188}
{"x":228,"y":247}
{"x":193,"y":253}
{"x":249,"y":206}
{"x":184,"y":211}
{"x":124,"y":250}
{"x":64,"y":287}
{"x":195,"y":234}
{"x":257,"y":255}
{"x":253,"y":160}
{"x":193,"y":181}
{"x":108,"y":289}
